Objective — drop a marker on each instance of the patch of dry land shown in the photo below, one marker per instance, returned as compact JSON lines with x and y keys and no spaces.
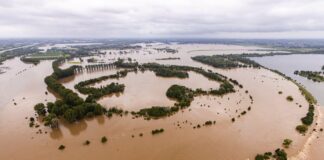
{"x":253,"y":120}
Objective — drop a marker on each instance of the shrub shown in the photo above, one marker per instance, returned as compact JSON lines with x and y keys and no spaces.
{"x":61,"y":147}
{"x":207,"y":123}
{"x":157,"y":131}
{"x":280,"y":154}
{"x":287,"y":142}
{"x":104,"y":139}
{"x":87,"y":142}
{"x":40,"y":109}
{"x":302,"y":128}
{"x":290,"y":98}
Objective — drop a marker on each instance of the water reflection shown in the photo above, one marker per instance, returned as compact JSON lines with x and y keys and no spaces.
{"x":75,"y":128}
{"x":56,"y":134}
{"x":100,"y":119}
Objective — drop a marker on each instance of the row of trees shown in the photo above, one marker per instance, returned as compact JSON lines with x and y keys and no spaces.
{"x":96,"y":93}
{"x":311,"y":75}
{"x":227,"y":61}
{"x":307,"y":120}
{"x":166,"y":72}
{"x":279,"y":154}
{"x":71,"y":107}
{"x":62,"y":73}
{"x":181,"y":94}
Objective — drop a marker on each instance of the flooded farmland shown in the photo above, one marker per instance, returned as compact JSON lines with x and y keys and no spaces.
{"x":270,"y":119}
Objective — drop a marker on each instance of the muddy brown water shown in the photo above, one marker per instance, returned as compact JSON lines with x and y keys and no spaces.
{"x":271,"y":119}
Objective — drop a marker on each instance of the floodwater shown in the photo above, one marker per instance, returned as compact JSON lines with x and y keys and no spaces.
{"x":271,"y":119}
{"x":289,"y":63}
{"x":151,"y":90}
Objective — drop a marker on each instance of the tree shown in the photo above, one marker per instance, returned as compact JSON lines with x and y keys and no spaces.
{"x":51,"y":120}
{"x":40,"y":109}
{"x":70,"y":115}
{"x":287,"y":142}
{"x":104,"y":139}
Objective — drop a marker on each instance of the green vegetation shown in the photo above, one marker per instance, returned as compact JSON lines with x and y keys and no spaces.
{"x":224,"y":88}
{"x":37,"y":57}
{"x":287,"y":142}
{"x":308,"y":96}
{"x":182,"y":94}
{"x":62,"y":73}
{"x":104,"y":139}
{"x":157,"y":111}
{"x":51,"y":120}
{"x":96,"y":93}
{"x":264,"y":156}
{"x":17,"y":52}
{"x":70,"y":106}
{"x":166,"y":72}
{"x":310,"y":99}
{"x":279,"y":154}
{"x":302,"y":128}
{"x":116,"y":111}
{"x":40,"y":109}
{"x":311,"y":75}
{"x":169,"y":58}
{"x":226,"y":61}
{"x":309,"y":118}
{"x":157,"y":131}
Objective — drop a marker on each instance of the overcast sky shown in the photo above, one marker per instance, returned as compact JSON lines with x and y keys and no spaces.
{"x":162,"y":18}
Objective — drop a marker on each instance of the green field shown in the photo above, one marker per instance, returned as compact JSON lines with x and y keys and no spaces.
{"x":48,"y":55}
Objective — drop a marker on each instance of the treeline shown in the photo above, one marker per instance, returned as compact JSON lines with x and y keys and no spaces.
{"x":307,"y":120}
{"x":311,"y":75}
{"x":279,"y":154}
{"x":96,"y":93}
{"x":156,"y":111}
{"x":71,"y":107}
{"x":62,"y":73}
{"x":309,"y":98}
{"x":181,"y":94}
{"x":30,"y":60}
{"x":17,"y":52}
{"x":227,"y":61}
{"x":224,"y":88}
{"x":166,"y":72}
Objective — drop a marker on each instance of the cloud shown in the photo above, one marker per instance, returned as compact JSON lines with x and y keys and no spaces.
{"x":156,"y":18}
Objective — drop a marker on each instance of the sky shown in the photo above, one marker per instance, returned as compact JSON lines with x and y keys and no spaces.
{"x":162,"y":19}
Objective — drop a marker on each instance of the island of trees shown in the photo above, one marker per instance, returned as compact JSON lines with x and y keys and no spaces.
{"x":311,"y":75}
{"x":227,"y":61}
{"x":69,"y":106}
{"x":72,"y":108}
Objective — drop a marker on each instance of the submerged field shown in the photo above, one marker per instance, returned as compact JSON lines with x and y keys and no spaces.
{"x":261,"y":123}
